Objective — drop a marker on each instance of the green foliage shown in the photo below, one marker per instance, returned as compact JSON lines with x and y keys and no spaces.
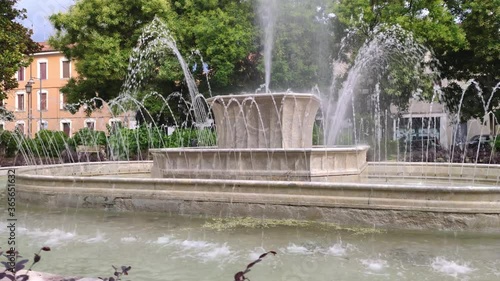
{"x":496,"y":144}
{"x":29,"y":147}
{"x":400,"y":77}
{"x":302,"y":48}
{"x":45,"y":143}
{"x":430,"y":21}
{"x":124,"y":142}
{"x":16,"y":44}
{"x":8,"y":143}
{"x":317,"y":137}
{"x":50,"y":143}
{"x":479,"y":59}
{"x":468,"y":50}
{"x":192,"y":137}
{"x":224,"y":34}
{"x":88,"y":137}
{"x":99,"y":35}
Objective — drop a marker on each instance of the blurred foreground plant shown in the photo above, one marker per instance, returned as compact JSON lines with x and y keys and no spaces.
{"x":123,"y":271}
{"x":240,"y":276}
{"x":15,"y":263}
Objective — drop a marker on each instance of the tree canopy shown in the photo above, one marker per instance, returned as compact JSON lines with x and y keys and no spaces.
{"x":17,"y":45}
{"x":100,"y":35}
{"x":478,"y":60}
{"x":426,"y":22}
{"x":462,"y":36}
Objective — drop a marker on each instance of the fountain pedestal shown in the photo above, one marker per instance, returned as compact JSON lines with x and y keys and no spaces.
{"x":263,"y":137}
{"x":264,"y":120}
{"x":344,"y":164}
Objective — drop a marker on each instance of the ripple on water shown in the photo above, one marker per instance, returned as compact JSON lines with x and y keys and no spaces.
{"x":98,"y":238}
{"x":163,"y":240}
{"x":51,"y":237}
{"x":195,"y":244}
{"x":297,"y":249}
{"x":376,"y":265}
{"x":255,"y":253}
{"x":201,"y":250}
{"x":451,"y":268}
{"x":216,"y":252}
{"x":337,"y":250}
{"x":129,"y":239}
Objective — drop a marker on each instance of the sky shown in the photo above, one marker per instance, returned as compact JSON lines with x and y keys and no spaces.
{"x":38,"y":12}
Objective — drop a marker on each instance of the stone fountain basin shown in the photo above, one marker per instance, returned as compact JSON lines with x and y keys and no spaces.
{"x":421,"y":197}
{"x":295,"y":164}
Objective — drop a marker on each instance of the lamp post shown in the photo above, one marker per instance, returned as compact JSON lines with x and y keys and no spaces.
{"x":29,"y":89}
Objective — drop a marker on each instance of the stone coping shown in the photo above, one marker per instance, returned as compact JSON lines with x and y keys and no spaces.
{"x":373,"y":169}
{"x":360,"y":195}
{"x":253,"y":96}
{"x":372,"y":187}
{"x":453,"y":173}
{"x":212,"y":149}
{"x":274,"y":184}
{"x":80,"y":171}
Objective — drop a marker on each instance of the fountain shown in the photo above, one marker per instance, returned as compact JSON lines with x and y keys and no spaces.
{"x":264,"y":165}
{"x":263,"y":137}
{"x":306,"y":201}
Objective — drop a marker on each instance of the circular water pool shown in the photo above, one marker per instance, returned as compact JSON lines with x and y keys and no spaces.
{"x":170,"y":247}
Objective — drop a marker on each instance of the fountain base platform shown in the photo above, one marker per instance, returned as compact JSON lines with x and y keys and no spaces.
{"x":343,"y":164}
{"x":393,"y":194}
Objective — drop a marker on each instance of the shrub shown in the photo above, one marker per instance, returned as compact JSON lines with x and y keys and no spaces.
{"x":192,"y":137}
{"x":496,"y":144}
{"x":51,"y":143}
{"x":8,"y":143}
{"x":29,"y":147}
{"x":124,"y":143}
{"x":317,"y":138}
{"x":89,"y":137}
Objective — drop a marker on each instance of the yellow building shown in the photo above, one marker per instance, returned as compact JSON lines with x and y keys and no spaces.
{"x":49,"y":72}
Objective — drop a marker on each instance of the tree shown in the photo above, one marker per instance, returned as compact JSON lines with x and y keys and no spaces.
{"x":302,"y":47}
{"x":427,"y":22}
{"x":224,"y":35}
{"x":17,"y":46}
{"x":99,"y":36}
{"x":478,"y":61}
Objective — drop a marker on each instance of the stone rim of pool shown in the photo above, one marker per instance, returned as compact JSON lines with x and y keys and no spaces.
{"x":438,"y":202}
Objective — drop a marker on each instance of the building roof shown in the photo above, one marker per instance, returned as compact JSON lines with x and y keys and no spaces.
{"x":46,"y":47}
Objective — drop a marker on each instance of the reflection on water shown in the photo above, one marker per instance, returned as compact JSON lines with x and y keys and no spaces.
{"x":171,"y":247}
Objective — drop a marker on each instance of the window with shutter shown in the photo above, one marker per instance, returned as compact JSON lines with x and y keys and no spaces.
{"x":43,"y":101}
{"x":65,"y":69}
{"x":20,"y":102}
{"x":20,"y":74}
{"x":43,"y":70}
